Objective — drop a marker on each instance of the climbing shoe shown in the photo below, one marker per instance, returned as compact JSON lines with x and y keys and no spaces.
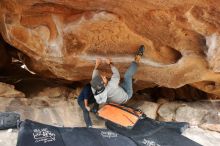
{"x":140,"y":51}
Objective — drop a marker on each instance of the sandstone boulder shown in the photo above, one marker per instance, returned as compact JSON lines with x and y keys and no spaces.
{"x":211,"y":121}
{"x":204,"y":114}
{"x":49,"y":111}
{"x":167,"y":111}
{"x":190,"y":115}
{"x":149,"y":108}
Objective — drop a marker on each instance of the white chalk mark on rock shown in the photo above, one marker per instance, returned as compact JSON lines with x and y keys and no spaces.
{"x":123,"y":59}
{"x":211,"y":42}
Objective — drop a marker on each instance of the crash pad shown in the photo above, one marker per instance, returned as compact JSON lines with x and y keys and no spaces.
{"x":37,"y":134}
{"x":8,"y":120}
{"x":149,"y":132}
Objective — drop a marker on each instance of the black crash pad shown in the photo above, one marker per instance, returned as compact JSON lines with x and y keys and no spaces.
{"x":8,"y":120}
{"x":148,"y":132}
{"x":36,"y":134}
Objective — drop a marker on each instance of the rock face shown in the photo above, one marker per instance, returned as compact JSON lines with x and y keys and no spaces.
{"x":204,"y":114}
{"x":167,"y":111}
{"x":203,"y":137}
{"x":49,"y":111}
{"x":58,"y":105}
{"x":62,"y":38}
{"x":4,"y":56}
{"x":150,"y":109}
{"x":8,"y":91}
{"x":189,"y":114}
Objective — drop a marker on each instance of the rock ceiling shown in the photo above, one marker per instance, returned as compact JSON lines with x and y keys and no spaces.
{"x":62,"y":38}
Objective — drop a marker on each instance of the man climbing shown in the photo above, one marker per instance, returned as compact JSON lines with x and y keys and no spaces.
{"x":111,"y":91}
{"x":86,"y":98}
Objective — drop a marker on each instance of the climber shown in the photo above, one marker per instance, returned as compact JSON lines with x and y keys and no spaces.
{"x":85,"y":99}
{"x":111,"y":91}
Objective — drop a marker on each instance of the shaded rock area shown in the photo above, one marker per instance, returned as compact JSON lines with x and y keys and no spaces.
{"x":55,"y":104}
{"x":53,"y":101}
{"x":185,"y":93}
{"x":49,"y":111}
{"x":61,"y":39}
{"x":5,"y":58}
{"x":46,"y":101}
